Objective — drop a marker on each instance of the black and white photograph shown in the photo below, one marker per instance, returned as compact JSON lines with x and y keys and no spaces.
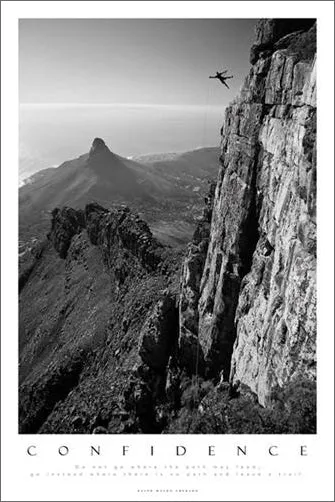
{"x":167,"y":226}
{"x":167,"y":250}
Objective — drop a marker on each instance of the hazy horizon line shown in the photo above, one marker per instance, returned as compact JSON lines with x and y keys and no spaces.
{"x":121,"y":105}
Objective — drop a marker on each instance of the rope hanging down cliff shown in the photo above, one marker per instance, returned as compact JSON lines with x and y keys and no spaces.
{"x":204,"y":130}
{"x":220,"y":76}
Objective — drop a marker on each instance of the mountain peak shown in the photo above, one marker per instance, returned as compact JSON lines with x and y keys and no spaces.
{"x":98,"y":146}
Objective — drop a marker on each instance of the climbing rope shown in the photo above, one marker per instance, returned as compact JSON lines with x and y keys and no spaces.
{"x":204,"y":130}
{"x":195,"y":378}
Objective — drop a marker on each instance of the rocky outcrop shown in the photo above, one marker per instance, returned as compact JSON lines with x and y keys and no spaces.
{"x":98,"y":146}
{"x":255,"y":312}
{"x":276,"y":33}
{"x":146,"y":391}
{"x":159,"y":333}
{"x":96,"y":339}
{"x":190,"y":353}
{"x":65,"y":224}
{"x":107,"y":228}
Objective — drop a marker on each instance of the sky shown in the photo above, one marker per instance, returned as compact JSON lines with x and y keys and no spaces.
{"x":164,"y":61}
{"x":140,"y":84}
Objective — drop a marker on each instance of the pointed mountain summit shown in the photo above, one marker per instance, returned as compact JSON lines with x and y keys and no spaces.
{"x":113,"y":178}
{"x":161,"y":192}
{"x":97,"y":176}
{"x":98,"y":147}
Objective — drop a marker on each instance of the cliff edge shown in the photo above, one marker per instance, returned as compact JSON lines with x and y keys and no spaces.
{"x":256,"y":298}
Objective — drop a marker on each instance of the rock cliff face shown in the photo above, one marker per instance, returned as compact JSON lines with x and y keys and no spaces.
{"x":190,"y":352}
{"x":254,"y":299}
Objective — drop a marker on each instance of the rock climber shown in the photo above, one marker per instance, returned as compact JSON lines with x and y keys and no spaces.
{"x":220,"y":76}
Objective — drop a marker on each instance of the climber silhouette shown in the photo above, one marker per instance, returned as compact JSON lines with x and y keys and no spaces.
{"x":219,"y":76}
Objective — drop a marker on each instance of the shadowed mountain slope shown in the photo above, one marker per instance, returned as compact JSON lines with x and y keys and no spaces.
{"x":168,"y":195}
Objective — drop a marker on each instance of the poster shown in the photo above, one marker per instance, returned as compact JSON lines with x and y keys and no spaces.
{"x":171,"y":338}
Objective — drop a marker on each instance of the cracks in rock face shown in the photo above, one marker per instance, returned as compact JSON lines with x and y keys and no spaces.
{"x":190,"y":354}
{"x":169,"y":347}
{"x":237,"y":267}
{"x":249,"y":231}
{"x":309,"y":140}
{"x":65,"y":224}
{"x":219,"y":357}
{"x":145,"y":395}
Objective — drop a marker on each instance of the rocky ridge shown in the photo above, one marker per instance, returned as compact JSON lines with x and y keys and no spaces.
{"x":105,"y":312}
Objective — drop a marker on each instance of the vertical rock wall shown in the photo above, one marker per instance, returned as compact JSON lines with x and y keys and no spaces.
{"x":256,"y":306}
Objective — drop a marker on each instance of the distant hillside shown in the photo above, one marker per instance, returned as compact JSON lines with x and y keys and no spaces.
{"x":168,"y":194}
